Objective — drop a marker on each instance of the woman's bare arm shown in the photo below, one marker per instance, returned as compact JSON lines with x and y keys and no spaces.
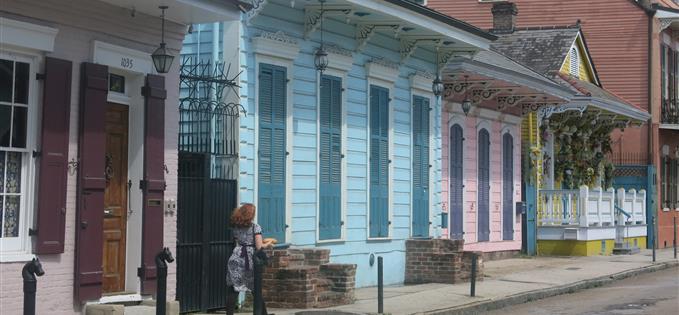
{"x":258,"y":241}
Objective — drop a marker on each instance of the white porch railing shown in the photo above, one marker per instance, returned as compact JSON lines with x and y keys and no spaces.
{"x":589,"y":207}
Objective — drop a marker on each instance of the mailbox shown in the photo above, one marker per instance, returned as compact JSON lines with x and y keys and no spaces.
{"x":520,"y":208}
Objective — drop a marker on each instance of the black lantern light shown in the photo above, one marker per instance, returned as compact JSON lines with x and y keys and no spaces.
{"x":437,"y":84}
{"x":321,"y":57}
{"x":466,"y":102}
{"x":162,"y":59}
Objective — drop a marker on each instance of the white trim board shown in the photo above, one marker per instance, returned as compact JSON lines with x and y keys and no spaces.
{"x":27,"y":35}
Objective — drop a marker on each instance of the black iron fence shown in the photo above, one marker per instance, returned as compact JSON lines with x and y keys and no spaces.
{"x":669,"y":113}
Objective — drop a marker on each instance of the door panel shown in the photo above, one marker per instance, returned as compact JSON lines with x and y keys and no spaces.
{"x":115,"y":198}
{"x":507,"y":187}
{"x":484,"y":186}
{"x":456,"y":182}
{"x":420,"y":167}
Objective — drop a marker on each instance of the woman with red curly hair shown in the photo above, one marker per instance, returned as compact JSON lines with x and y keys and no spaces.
{"x":247,"y":236}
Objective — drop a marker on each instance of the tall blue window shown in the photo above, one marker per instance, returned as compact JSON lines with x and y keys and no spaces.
{"x":272,"y":152}
{"x":379,"y":162}
{"x":420,"y":166}
{"x":330,"y":158}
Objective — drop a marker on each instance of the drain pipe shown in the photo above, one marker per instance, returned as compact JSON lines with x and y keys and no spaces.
{"x":650,"y":12}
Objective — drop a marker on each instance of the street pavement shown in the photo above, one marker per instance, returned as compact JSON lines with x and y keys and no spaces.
{"x":650,"y":293}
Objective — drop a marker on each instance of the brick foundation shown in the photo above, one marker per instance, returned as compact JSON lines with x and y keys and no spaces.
{"x":439,"y":261}
{"x":305,"y":278}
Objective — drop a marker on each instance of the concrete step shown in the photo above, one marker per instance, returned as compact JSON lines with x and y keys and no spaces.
{"x":147,"y":307}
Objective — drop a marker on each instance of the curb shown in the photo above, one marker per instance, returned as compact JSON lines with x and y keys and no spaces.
{"x":489,"y":305}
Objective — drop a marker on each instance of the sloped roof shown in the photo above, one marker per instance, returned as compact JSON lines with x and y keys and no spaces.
{"x":541,"y":49}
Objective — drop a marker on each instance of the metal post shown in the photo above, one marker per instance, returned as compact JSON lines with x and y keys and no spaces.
{"x":162,"y":259}
{"x":380,"y":286}
{"x":655,"y":239}
{"x":674,"y":242}
{"x":473,"y":279}
{"x":258,"y":300}
{"x":30,"y":270}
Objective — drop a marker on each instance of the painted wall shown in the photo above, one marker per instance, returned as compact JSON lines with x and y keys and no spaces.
{"x":303,"y":185}
{"x":80,"y":22}
{"x":496,"y":126}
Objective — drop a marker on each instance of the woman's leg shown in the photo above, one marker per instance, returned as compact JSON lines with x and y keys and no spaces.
{"x":231,"y":299}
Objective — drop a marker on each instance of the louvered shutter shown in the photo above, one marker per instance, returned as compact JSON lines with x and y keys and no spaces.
{"x":330,"y":157}
{"x":507,"y":187}
{"x":53,"y":171}
{"x":153,"y":184}
{"x":379,"y":162}
{"x":456,"y":181}
{"x":484,"y":186}
{"x":91,"y":182}
{"x":272,"y":150}
{"x":420,"y":166}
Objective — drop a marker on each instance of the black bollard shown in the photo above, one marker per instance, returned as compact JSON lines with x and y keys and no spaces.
{"x":30,"y":270}
{"x":655,"y":238}
{"x":674,"y":242}
{"x":258,"y":299}
{"x":473,"y":279}
{"x":164,"y":257}
{"x":380,"y":286}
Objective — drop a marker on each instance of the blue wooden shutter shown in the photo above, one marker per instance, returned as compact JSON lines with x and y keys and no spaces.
{"x":420,"y":166}
{"x":456,"y":181}
{"x":379,"y":162}
{"x":507,"y":187}
{"x":272,"y":150}
{"x":484,"y":186}
{"x":330,"y":221}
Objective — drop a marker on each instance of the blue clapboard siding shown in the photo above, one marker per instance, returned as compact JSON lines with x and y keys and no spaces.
{"x":484,"y":186}
{"x":507,"y":187}
{"x":330,"y":158}
{"x":456,"y":171}
{"x":272,"y":152}
{"x":379,"y":161}
{"x":304,"y":191}
{"x":420,"y":166}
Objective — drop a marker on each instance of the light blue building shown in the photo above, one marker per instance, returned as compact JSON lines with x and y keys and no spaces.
{"x":348,"y":159}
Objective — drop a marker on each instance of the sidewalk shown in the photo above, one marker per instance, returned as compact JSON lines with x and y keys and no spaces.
{"x":506,"y":282}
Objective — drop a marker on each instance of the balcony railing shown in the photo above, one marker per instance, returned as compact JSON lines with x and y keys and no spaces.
{"x":669,"y":113}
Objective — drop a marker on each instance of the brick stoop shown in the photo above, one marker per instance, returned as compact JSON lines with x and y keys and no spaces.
{"x":439,"y":261}
{"x":305,"y":278}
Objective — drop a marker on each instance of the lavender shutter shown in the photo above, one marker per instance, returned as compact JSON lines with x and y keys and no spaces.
{"x":456,"y":185}
{"x":53,"y":171}
{"x":153,"y":184}
{"x":484,"y":186}
{"x":507,"y":187}
{"x":91,"y":182}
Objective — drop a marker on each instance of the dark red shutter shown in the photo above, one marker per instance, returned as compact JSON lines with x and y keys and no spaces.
{"x":153,"y":184}
{"x":91,"y":182}
{"x":53,"y":171}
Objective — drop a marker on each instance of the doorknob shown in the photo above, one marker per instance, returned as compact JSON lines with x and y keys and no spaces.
{"x":108,"y":211}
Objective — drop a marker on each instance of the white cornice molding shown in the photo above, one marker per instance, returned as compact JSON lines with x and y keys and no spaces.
{"x":277,"y":44}
{"x":27,"y":35}
{"x":422,"y":80}
{"x":382,"y":70}
{"x":339,"y":58}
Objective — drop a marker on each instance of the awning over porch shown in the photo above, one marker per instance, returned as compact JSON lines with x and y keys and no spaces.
{"x":188,"y":11}
{"x":668,"y":17}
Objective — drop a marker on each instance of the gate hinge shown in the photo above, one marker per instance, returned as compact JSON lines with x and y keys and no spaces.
{"x":140,"y":272}
{"x":40,"y":76}
{"x":142,"y":184}
{"x":32,"y":232}
{"x":36,"y":153}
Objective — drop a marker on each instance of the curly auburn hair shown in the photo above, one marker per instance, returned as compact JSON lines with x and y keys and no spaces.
{"x":243,"y":215}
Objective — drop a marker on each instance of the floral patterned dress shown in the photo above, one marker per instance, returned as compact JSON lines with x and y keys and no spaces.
{"x":240,"y":272}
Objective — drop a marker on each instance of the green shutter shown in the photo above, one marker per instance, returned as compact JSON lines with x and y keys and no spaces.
{"x":420,"y":167}
{"x":330,"y":158}
{"x":379,"y":162}
{"x":272,"y":153}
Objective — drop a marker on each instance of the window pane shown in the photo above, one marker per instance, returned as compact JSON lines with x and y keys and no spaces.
{"x":10,"y":224}
{"x":6,"y":75}
{"x":19,"y":127}
{"x":13,"y":171}
{"x":5,"y":119}
{"x":21,"y":83}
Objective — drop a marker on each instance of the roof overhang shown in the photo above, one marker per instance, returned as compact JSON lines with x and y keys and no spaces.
{"x":668,"y":17}
{"x":621,"y":111}
{"x":516,"y":91}
{"x":187,"y":11}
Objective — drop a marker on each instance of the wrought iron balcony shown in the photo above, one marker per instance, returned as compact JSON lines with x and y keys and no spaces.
{"x":669,"y":113}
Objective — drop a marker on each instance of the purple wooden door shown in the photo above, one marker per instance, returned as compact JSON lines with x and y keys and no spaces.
{"x":153,"y":184}
{"x":456,"y":182}
{"x":56,"y":112}
{"x":91,"y":182}
{"x":507,"y":187}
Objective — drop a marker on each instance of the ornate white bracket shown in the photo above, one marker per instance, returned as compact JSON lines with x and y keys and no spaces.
{"x":409,"y":44}
{"x":276,"y":44}
{"x":665,"y":23}
{"x":313,"y":16}
{"x":365,"y":31}
{"x":548,"y":111}
{"x":257,"y":7}
{"x":535,"y":106}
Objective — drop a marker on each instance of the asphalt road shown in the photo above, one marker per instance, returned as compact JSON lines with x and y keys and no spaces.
{"x":655,"y":293}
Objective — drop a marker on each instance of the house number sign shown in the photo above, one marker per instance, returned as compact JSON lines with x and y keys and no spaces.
{"x":127,"y":63}
{"x":119,"y":57}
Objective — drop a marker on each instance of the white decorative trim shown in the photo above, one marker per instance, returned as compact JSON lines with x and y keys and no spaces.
{"x":276,"y":44}
{"x":257,"y":7}
{"x":119,"y":298}
{"x":339,"y":58}
{"x":422,"y":80}
{"x":27,"y":35}
{"x":123,"y":58}
{"x":19,"y":257}
{"x":383,"y":70}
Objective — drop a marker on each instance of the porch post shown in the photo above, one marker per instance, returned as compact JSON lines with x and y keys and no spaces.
{"x":583,"y":201}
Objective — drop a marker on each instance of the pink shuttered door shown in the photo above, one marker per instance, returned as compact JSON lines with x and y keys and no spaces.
{"x":56,"y":110}
{"x":153,"y":184}
{"x":91,"y":182}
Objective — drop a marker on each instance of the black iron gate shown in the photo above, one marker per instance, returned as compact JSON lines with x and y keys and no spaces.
{"x":207,"y":192}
